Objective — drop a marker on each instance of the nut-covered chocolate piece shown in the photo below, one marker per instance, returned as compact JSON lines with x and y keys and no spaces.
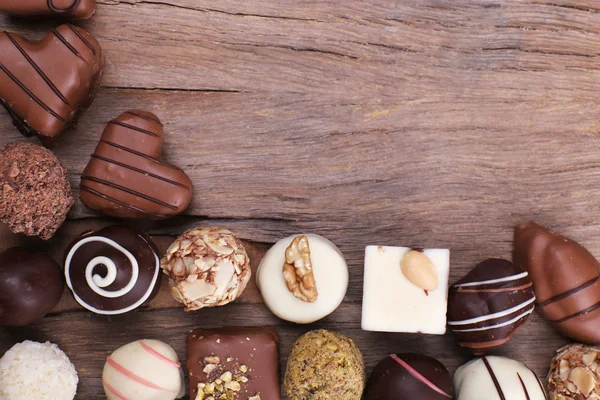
{"x":566,"y":280}
{"x":297,"y":270}
{"x":46,"y":85}
{"x":490,"y":304}
{"x":126,"y":178}
{"x":234,"y":363}
{"x":35,"y":193}
{"x":64,"y":9}
{"x":575,"y":373}
{"x":207,"y":267}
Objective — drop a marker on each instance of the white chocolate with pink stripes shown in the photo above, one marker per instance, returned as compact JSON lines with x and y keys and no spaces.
{"x":143,"y":370}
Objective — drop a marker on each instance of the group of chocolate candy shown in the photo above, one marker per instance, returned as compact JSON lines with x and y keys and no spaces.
{"x":45,"y":86}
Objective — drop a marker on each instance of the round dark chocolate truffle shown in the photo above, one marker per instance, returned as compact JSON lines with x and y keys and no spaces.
{"x":35,"y":194}
{"x":408,"y":377}
{"x":31,"y":284}
{"x":488,"y":305}
{"x":113,"y":270}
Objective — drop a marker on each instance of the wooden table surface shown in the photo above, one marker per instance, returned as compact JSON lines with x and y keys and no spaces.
{"x":393,"y":122}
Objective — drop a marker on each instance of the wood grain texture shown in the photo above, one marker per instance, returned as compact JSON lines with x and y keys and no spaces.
{"x":417,"y":122}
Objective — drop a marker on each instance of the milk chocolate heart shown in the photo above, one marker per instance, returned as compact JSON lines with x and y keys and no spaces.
{"x":45,"y":85}
{"x":66,"y":9}
{"x":126,"y":178}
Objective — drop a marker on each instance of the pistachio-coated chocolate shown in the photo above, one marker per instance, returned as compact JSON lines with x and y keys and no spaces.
{"x":566,"y":280}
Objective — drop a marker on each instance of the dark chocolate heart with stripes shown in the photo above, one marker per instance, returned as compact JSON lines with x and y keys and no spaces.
{"x":46,"y":85}
{"x":566,"y":280}
{"x":488,"y":305}
{"x":126,"y":177}
{"x":64,"y":9}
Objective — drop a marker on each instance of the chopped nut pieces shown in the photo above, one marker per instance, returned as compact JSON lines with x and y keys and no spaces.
{"x":418,"y":269}
{"x":574,"y":373}
{"x":298,"y":272}
{"x":221,"y":384}
{"x":207,"y":267}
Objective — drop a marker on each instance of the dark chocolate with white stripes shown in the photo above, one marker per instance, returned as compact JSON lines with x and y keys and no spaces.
{"x":114,"y":270}
{"x":407,"y":377}
{"x":488,"y":305}
{"x":46,"y":85}
{"x":126,"y":177}
{"x":497,"y":378}
{"x":566,"y":280}
{"x":63,"y":9}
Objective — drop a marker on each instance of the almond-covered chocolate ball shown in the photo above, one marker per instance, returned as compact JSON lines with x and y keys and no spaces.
{"x":207,"y":267}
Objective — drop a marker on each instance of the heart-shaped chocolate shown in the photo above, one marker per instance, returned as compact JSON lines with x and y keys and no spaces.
{"x":126,"y":178}
{"x":45,"y":85}
{"x":67,"y":9}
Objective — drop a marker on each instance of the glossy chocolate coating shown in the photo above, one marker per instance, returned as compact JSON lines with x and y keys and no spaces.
{"x":488,"y":305}
{"x":125,"y":177}
{"x":64,"y":9}
{"x":45,"y":85}
{"x":566,"y":280}
{"x":106,"y":255}
{"x":256,"y":348}
{"x":31,"y":284}
{"x":408,"y":377}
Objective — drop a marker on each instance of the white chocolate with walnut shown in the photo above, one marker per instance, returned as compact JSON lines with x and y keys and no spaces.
{"x":330,"y":274}
{"x":207,"y":267}
{"x":575,"y":373}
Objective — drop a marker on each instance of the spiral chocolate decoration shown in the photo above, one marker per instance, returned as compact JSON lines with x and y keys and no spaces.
{"x":112,"y":271}
{"x":69,"y":9}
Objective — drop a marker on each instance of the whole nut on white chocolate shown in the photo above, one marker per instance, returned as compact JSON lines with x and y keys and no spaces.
{"x":575,"y":373}
{"x":405,"y":290}
{"x":207,"y":267}
{"x":303,"y":278}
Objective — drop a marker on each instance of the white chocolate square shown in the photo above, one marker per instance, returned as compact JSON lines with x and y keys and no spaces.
{"x":391,"y":303}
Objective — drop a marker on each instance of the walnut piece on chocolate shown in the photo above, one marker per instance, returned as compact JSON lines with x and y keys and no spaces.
{"x":207,"y":267}
{"x":35,"y":194}
{"x":575,"y":373}
{"x":298,"y":272}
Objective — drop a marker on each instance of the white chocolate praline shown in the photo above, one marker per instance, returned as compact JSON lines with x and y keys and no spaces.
{"x":392,"y":303}
{"x":495,"y":378}
{"x":143,"y":370}
{"x":331,"y":277}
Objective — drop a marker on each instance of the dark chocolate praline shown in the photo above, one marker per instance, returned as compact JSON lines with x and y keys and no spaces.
{"x":31,"y":284}
{"x":114,"y":270}
{"x":409,"y":377}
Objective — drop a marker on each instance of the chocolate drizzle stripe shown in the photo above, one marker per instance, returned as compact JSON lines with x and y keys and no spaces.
{"x":488,"y":344}
{"x":499,"y":280}
{"x":38,"y":70}
{"x":141,"y":171}
{"x":119,"y":202}
{"x":577,"y":314}
{"x":135,"y":128}
{"x":499,"y":290}
{"x":538,"y":381}
{"x":488,"y":317}
{"x":137,"y":153}
{"x":494,"y":378}
{"x":569,"y":293}
{"x":486,"y":328}
{"x":30,"y":94}
{"x":524,"y":387}
{"x":417,"y":375}
{"x":67,"y":44}
{"x":82,"y":38}
{"x":147,"y":118}
{"x":128,"y":190}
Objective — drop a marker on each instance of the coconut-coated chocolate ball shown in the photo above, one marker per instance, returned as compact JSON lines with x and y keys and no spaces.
{"x":31,"y":284}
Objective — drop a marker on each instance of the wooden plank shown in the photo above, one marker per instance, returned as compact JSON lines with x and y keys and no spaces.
{"x":418,"y":122}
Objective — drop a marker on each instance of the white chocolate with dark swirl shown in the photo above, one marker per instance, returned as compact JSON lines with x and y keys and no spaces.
{"x":112,"y":271}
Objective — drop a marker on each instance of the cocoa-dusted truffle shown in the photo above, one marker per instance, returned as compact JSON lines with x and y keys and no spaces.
{"x":35,"y":194}
{"x":207,"y":267}
{"x":325,"y":365}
